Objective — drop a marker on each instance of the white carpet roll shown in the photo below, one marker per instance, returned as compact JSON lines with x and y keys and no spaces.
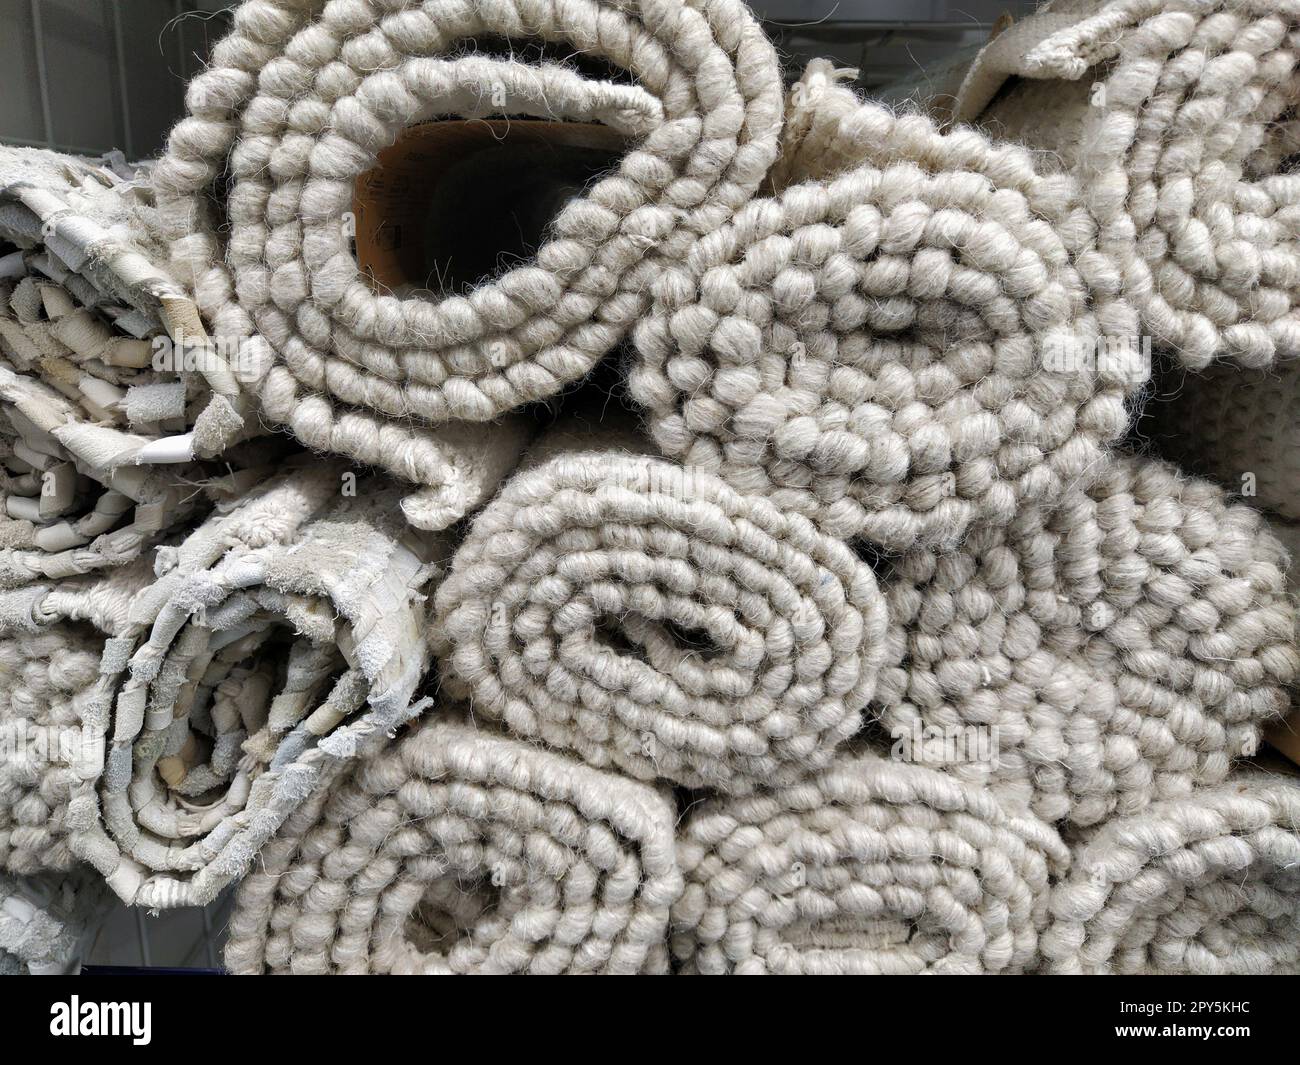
{"x":652,"y":619}
{"x":279,"y":639}
{"x":299,"y":99}
{"x":1121,"y":649}
{"x":899,"y":343}
{"x":1207,"y":884}
{"x":455,"y":850}
{"x":870,"y":867}
{"x":1178,"y":119}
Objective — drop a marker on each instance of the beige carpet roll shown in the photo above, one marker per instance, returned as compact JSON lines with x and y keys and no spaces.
{"x":279,"y":639}
{"x":654,"y":620}
{"x":1121,"y":649}
{"x":455,"y":850}
{"x":870,"y":867}
{"x":899,"y":344}
{"x":257,"y":186}
{"x":1207,"y":884}
{"x":1178,"y":119}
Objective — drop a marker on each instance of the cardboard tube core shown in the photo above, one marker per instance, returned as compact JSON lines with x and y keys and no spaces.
{"x":454,"y":203}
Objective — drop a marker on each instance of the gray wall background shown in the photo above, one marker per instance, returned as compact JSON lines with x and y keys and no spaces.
{"x":91,"y":75}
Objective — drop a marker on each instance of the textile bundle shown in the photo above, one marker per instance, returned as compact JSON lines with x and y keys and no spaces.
{"x":459,"y":851}
{"x":898,"y":350}
{"x":301,"y":97}
{"x":279,"y":638}
{"x":1125,"y":647}
{"x":871,"y":867}
{"x":1177,"y":117}
{"x":651,"y":619}
{"x":1208,"y":884}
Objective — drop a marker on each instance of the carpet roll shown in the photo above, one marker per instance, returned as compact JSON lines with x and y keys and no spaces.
{"x":870,"y":867}
{"x":1207,"y":884}
{"x":49,"y":666}
{"x":1177,"y":116}
{"x":899,"y":343}
{"x":1123,"y":648}
{"x":455,"y":850}
{"x":279,"y":639}
{"x":301,"y":97}
{"x":47,"y":922}
{"x":652,"y":619}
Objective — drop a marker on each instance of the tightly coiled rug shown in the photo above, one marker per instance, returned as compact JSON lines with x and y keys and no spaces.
{"x":1206,"y":884}
{"x":278,"y":639}
{"x":1123,"y":648}
{"x":870,"y":867}
{"x":1177,"y":117}
{"x":650,"y":618}
{"x":899,"y":344}
{"x":295,"y":105}
{"x":455,"y":850}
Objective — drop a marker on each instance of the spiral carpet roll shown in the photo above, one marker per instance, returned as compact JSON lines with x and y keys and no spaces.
{"x":871,"y":867}
{"x":456,"y":850}
{"x":896,"y":349}
{"x":46,"y":922}
{"x":653,"y":620}
{"x":49,"y":667}
{"x":301,"y":97}
{"x":279,"y":639}
{"x":1208,"y":884}
{"x":1178,"y":118}
{"x":1123,"y":648}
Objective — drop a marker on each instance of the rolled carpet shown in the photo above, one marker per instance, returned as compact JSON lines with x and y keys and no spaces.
{"x":49,"y":666}
{"x":870,"y":867}
{"x":279,"y":639}
{"x":1177,"y":116}
{"x":257,"y":184}
{"x":47,"y":922}
{"x":1207,"y":884}
{"x":1120,"y":649}
{"x":899,"y":343}
{"x":455,"y":850}
{"x":652,"y":619}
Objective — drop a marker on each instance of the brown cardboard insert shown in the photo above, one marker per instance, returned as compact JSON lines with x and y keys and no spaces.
{"x":451,"y":202}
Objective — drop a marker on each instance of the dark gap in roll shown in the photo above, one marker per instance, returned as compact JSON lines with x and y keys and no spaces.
{"x":454,"y":203}
{"x":609,"y":631}
{"x":531,"y":51}
{"x":449,"y":911}
{"x":612,"y":632}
